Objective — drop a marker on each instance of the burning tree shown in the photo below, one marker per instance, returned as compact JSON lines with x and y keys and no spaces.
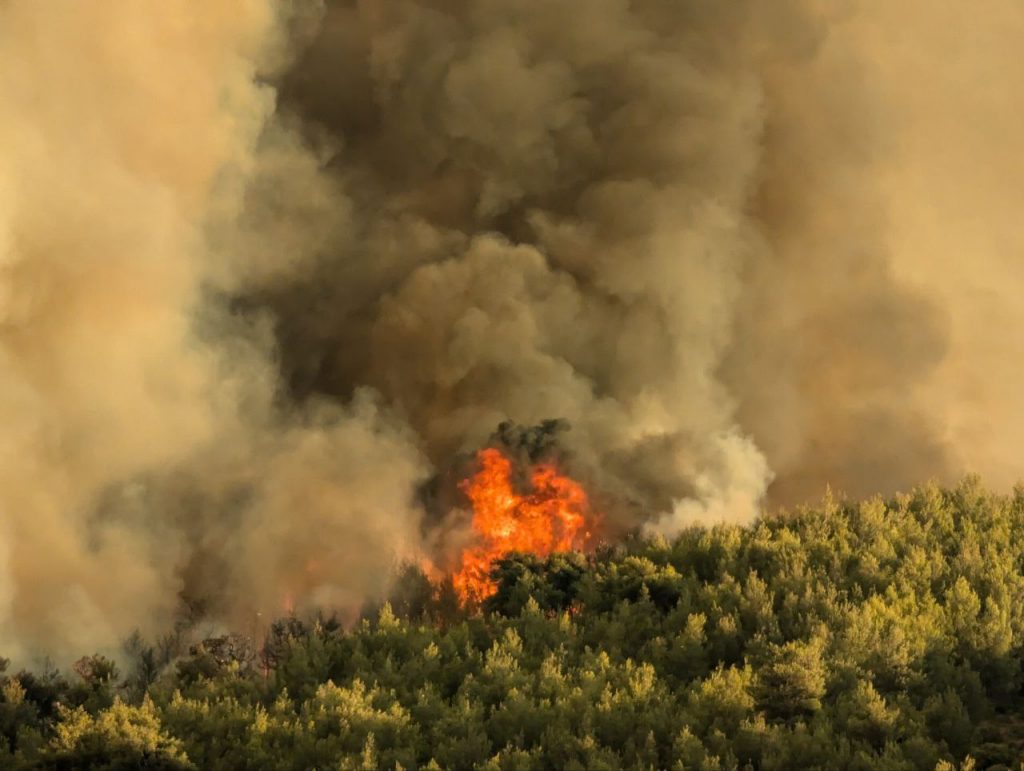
{"x":552,"y":516}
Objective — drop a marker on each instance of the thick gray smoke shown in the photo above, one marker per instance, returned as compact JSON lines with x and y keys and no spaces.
{"x":265,"y":268}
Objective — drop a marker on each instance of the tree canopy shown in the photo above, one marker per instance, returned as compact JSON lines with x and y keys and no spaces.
{"x":872,"y":635}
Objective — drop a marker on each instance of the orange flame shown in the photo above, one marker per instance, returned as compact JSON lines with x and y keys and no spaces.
{"x":548,"y":519}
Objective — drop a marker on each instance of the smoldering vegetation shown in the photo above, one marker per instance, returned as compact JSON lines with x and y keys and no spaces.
{"x":268,"y":270}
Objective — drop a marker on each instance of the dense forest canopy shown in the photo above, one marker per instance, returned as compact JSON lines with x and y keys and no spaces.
{"x":876,"y":635}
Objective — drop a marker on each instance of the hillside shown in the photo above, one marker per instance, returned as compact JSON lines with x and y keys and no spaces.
{"x":876,"y":635}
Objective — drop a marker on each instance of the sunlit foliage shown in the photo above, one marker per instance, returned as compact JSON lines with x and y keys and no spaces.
{"x":879,"y":635}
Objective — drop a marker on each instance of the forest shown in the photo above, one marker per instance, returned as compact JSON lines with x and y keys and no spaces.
{"x":881,"y":634}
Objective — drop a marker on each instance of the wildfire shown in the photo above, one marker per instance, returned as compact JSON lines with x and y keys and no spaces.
{"x":548,"y":519}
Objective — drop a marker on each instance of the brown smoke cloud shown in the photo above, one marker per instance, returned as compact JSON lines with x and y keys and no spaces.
{"x":146,"y":453}
{"x":264,"y":268}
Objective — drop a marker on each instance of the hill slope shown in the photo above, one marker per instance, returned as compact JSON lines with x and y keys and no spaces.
{"x":880,"y":635}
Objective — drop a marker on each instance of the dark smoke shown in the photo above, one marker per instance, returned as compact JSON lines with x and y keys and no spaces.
{"x":268,"y":269}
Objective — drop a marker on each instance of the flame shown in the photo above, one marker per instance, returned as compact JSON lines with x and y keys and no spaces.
{"x":548,"y":519}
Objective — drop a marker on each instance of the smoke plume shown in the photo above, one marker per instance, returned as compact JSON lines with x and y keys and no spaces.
{"x":266,"y":268}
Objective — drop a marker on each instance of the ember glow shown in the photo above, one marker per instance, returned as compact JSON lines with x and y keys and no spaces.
{"x":552,"y":517}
